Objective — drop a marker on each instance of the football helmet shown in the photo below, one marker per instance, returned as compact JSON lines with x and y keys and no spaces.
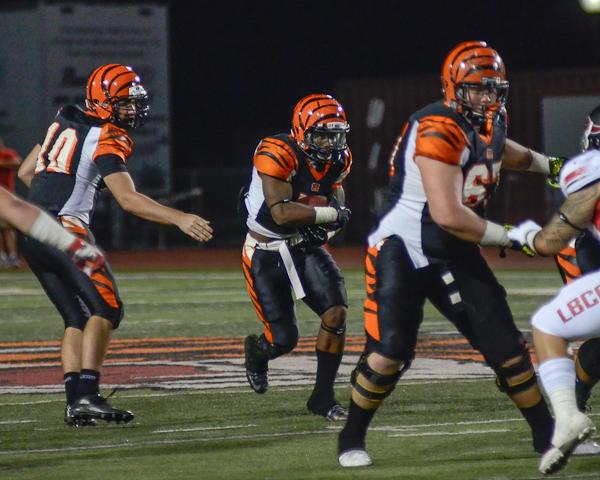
{"x":114,"y":93}
{"x":474,"y":81}
{"x":591,"y":134}
{"x":319,"y":126}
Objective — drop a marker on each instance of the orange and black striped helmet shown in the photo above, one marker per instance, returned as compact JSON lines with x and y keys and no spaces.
{"x":319,"y":126}
{"x":474,"y":65}
{"x":115,"y":93}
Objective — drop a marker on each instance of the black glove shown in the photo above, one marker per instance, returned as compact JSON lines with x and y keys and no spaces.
{"x":344,"y":214}
{"x":556,"y":164}
{"x":314,"y":235}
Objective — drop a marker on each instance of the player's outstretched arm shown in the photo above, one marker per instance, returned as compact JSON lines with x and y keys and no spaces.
{"x":123,"y":189}
{"x":36,"y":223}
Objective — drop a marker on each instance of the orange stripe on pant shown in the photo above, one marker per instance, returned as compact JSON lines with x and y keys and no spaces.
{"x":370,"y":305}
{"x":246,"y":266}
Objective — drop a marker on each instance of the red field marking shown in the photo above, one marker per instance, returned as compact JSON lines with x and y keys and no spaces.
{"x":154,"y":361}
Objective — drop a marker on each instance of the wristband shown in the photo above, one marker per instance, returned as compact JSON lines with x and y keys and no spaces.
{"x":494,"y":235}
{"x":47,"y":230}
{"x":325,"y":215}
{"x":539,"y":163}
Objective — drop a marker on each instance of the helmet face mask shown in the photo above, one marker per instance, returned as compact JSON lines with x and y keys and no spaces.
{"x":474,"y":81}
{"x":591,"y":134}
{"x":115,"y":94}
{"x":326,"y":140}
{"x":319,"y":127}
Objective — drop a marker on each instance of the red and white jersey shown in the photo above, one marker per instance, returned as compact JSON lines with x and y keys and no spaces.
{"x":578,"y":173}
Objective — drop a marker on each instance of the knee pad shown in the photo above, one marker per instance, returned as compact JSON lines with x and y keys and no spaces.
{"x":518,"y":377}
{"x":588,"y":356}
{"x":384,"y":383}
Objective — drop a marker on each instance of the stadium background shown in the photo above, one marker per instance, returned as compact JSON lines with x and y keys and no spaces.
{"x":236,"y":68}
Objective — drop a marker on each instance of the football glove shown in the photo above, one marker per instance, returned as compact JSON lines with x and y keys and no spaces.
{"x":314,"y":235}
{"x":522,"y":237}
{"x":87,"y":257}
{"x":555,"y":164}
{"x":344,"y":214}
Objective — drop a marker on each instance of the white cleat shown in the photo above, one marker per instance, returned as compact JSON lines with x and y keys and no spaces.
{"x":567,"y":436}
{"x":588,"y":447}
{"x":355,"y":458}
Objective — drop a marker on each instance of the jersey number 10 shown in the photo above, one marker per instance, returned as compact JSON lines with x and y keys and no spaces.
{"x":58,"y":159}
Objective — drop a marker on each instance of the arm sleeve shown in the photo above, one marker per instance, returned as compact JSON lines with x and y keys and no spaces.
{"x":110,"y":163}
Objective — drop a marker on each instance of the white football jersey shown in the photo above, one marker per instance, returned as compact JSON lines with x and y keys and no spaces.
{"x":578,"y":173}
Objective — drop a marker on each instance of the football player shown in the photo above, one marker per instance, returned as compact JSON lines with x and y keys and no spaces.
{"x":425,"y":245}
{"x":573,"y":236}
{"x":85,"y":148}
{"x":295,"y":204}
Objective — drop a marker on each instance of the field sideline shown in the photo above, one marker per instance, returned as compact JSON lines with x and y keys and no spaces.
{"x":177,"y":363}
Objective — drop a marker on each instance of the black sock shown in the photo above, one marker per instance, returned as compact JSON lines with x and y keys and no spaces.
{"x":583,"y":391}
{"x":89,"y":381}
{"x":355,"y":431}
{"x":542,"y":425}
{"x":327,"y":367}
{"x":71,"y":380}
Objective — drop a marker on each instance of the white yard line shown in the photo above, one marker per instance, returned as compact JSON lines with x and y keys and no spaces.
{"x":441,"y":434}
{"x":205,"y":429}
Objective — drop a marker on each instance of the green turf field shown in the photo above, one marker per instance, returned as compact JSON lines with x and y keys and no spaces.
{"x":428,"y":429}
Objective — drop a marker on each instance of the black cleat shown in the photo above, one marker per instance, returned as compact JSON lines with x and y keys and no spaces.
{"x":332,"y":410}
{"x":96,"y":407}
{"x":72,"y":421}
{"x":257,"y":366}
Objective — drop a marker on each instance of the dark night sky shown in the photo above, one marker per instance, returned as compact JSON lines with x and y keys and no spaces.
{"x":238,"y":67}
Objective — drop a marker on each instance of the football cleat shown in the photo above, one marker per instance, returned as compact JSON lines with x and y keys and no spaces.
{"x":96,"y":407}
{"x":72,"y":421}
{"x":331,"y":410}
{"x":355,"y":458}
{"x":589,"y":447}
{"x":257,"y":366}
{"x":567,"y":436}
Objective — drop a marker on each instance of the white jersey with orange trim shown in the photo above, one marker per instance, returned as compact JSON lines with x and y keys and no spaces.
{"x":280,"y":157}
{"x":76,"y":154}
{"x":440,"y":134}
{"x":581,"y":172}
